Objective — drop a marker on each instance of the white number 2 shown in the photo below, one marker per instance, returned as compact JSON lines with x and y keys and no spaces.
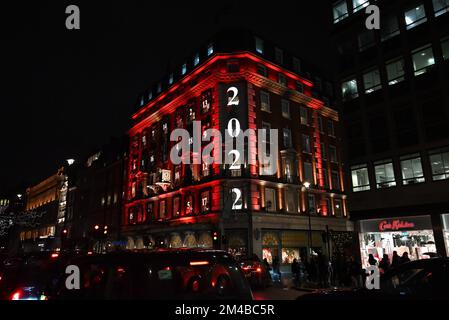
{"x":233,"y":99}
{"x":238,"y":195}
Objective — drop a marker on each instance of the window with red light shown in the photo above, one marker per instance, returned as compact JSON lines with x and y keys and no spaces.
{"x":132,"y":215}
{"x":189,"y":204}
{"x":150,"y":211}
{"x":162,"y":209}
{"x":205,"y":201}
{"x":206,"y":101}
{"x":176,"y":206}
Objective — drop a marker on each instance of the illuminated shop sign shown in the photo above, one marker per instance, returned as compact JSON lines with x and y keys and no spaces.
{"x":396,"y":224}
{"x":393,"y":225}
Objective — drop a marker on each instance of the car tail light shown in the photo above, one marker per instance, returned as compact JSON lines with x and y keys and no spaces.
{"x":16,"y":295}
{"x":54,"y":255}
{"x":259,"y":269}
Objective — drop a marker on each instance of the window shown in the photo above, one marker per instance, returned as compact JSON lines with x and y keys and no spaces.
{"x":287,"y":137}
{"x":445,"y":48}
{"x":162,"y":209}
{"x":412,"y":169}
{"x":325,"y":177}
{"x":415,"y":17}
{"x":340,"y":11}
{"x":359,"y":4}
{"x":279,"y":55}
{"x":312,"y":203}
{"x":285,"y":104}
{"x":196,"y":60}
{"x":170,"y":79}
{"x":422,"y":59}
{"x":440,"y":7}
{"x":338,"y":208}
{"x":366,"y":40}
{"x":335,"y":180}
{"x":270,"y":200}
{"x":371,"y":81}
{"x":323,"y":151}
{"x":439,"y":161}
{"x":290,"y":200}
{"x":266,"y":138}
{"x":330,"y":128}
{"x":306,"y":144}
{"x":389,"y":27}
{"x":210,"y":49}
{"x":205,"y":201}
{"x":176,"y":206}
{"x":282,"y":79}
{"x":265,"y":101}
{"x":349,"y":89}
{"x":320,"y":124}
{"x":304,"y":115}
{"x":395,"y":71}
{"x":299,"y":87}
{"x":308,"y":172}
{"x":296,"y":65}
{"x":189,"y":204}
{"x":259,"y":45}
{"x":261,"y":70}
{"x":184,"y":69}
{"x":360,"y":178}
{"x":384,"y":174}
{"x":333,"y":154}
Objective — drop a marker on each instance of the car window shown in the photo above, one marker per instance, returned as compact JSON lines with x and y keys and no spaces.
{"x":416,"y":281}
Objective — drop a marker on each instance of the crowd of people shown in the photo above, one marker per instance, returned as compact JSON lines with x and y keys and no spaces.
{"x":319,"y":271}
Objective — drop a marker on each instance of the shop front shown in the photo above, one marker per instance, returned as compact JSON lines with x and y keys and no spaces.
{"x":411,"y":234}
{"x":288,"y":245}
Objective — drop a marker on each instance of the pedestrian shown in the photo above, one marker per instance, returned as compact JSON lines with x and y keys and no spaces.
{"x":384,"y":264}
{"x":395,"y":261}
{"x":355,"y":272}
{"x":295,"y":272}
{"x":371,"y":260}
{"x":404,"y":258}
{"x":301,"y":272}
{"x":276,"y":268}
{"x":323,"y":270}
{"x":267,"y":269}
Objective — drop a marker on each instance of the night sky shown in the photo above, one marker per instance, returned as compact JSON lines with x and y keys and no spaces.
{"x":65,"y":93}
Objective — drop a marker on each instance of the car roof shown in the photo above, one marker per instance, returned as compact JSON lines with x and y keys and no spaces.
{"x":169,"y":255}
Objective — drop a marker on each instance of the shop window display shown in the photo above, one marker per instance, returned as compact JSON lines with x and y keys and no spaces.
{"x":413,"y":235}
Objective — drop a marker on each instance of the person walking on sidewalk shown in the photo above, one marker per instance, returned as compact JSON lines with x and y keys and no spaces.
{"x":276,"y":268}
{"x":295,"y":273}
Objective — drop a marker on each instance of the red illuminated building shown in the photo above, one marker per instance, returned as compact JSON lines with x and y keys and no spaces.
{"x":240,"y":209}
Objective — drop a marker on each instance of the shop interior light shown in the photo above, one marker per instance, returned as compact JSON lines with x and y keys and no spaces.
{"x":199,"y":263}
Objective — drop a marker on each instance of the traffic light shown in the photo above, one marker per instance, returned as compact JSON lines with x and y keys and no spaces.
{"x":216,"y":239}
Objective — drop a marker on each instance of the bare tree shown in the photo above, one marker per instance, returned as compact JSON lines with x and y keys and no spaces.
{"x":8,"y":220}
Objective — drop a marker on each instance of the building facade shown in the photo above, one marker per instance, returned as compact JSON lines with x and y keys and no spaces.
{"x":46,"y":202}
{"x":94,"y":201}
{"x":237,"y":82}
{"x":394,"y":105}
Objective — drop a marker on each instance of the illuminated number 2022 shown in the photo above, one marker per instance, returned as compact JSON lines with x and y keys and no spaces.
{"x":237,"y":197}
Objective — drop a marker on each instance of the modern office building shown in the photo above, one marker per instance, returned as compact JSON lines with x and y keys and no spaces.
{"x":236,"y":82}
{"x":394,"y":105}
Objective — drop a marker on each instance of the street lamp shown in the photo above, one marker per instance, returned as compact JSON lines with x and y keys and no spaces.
{"x":70,"y":161}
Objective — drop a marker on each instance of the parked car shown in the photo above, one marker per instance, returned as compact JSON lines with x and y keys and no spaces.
{"x":32,"y":276}
{"x":160,"y":275}
{"x":256,"y":272}
{"x":426,"y":279}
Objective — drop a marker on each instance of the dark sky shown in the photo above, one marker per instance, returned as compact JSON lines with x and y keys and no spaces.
{"x":66,"y":92}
